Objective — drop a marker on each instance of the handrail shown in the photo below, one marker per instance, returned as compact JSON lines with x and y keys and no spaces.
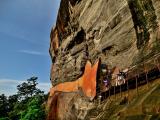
{"x":144,"y":74}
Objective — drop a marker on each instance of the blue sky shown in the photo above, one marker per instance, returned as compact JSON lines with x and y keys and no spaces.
{"x":24,"y":42}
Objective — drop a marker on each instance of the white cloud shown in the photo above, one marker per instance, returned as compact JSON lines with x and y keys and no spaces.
{"x":10,"y":81}
{"x":44,"y":86}
{"x":8,"y":86}
{"x":31,"y":52}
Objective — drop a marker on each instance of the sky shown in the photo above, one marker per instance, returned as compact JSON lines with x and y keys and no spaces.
{"x":25,"y":27}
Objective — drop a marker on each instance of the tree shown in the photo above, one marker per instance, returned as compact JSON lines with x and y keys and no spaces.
{"x":32,"y":83}
{"x":35,"y":110}
{"x":29,"y":88}
{"x":27,"y":104}
{"x":4,"y":108}
{"x":4,"y":118}
{"x":12,"y":100}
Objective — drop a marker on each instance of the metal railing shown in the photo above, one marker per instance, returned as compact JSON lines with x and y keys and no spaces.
{"x":137,"y":75}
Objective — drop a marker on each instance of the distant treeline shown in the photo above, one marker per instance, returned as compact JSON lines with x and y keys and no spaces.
{"x":27,"y":104}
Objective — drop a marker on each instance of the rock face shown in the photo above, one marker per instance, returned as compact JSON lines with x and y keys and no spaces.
{"x":122,"y":33}
{"x":69,"y":106}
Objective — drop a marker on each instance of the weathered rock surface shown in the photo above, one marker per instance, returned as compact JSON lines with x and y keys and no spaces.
{"x":122,"y":33}
{"x":69,"y":106}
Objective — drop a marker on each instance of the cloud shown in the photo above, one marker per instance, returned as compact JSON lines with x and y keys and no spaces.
{"x":44,"y":86}
{"x":31,"y":52}
{"x":10,"y":81}
{"x":9,"y":86}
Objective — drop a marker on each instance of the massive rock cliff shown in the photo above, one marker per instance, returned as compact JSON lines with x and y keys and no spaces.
{"x":122,"y":33}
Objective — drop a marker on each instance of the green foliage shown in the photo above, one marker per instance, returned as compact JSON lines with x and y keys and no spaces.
{"x":35,"y":110}
{"x":12,"y":100}
{"x":3,"y":106}
{"x":4,"y":118}
{"x":28,"y":89}
{"x":27,"y":104}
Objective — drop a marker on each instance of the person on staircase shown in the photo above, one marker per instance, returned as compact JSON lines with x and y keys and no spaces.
{"x":106,"y":77}
{"x":121,"y":78}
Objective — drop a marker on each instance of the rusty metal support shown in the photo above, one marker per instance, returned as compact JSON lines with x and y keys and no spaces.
{"x":115,"y":92}
{"x":128,"y":91}
{"x":146,"y":75}
{"x":109,"y":92}
{"x":137,"y":86}
{"x":120,"y":91}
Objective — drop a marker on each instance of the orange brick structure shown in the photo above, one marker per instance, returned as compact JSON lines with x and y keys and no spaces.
{"x":87,"y":82}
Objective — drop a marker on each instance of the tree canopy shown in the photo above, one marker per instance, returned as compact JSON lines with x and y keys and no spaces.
{"x":27,"y":104}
